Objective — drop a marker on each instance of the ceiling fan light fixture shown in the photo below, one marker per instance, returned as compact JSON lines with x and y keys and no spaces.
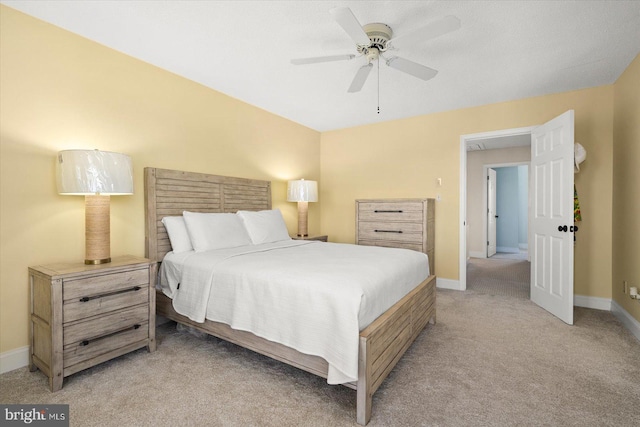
{"x":372,"y":54}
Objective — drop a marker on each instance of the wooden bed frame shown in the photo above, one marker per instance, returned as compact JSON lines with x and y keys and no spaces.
{"x":382,"y":343}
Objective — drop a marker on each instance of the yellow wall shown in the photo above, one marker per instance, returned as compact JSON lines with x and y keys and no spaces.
{"x":61,"y":91}
{"x":403,"y":158}
{"x":626,"y":186}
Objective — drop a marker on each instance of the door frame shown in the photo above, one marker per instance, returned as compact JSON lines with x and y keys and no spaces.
{"x":485,"y":171}
{"x":489,"y":201}
{"x":464,"y":139}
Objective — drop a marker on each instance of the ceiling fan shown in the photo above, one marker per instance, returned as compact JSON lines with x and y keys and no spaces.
{"x":373,"y":40}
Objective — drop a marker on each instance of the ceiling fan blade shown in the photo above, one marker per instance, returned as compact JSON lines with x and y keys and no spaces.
{"x":347,"y":20}
{"x":430,"y":31}
{"x":360,"y":78}
{"x":317,"y":59}
{"x":413,"y":68}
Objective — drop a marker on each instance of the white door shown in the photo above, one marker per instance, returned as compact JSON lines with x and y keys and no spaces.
{"x":551,"y":247}
{"x":491,"y":212}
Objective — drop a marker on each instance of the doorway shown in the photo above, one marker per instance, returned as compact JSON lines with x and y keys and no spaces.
{"x":473,"y":233}
{"x":551,"y":189}
{"x":498,"y":216}
{"x":507,"y":212}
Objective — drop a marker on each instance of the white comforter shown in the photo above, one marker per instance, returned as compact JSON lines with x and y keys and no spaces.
{"x":311,"y":296}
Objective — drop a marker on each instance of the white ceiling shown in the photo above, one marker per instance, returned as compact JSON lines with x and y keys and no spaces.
{"x":505,"y":50}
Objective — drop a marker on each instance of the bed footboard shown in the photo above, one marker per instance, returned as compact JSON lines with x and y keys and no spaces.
{"x":383,"y":343}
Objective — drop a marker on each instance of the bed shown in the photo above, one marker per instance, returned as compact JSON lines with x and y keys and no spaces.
{"x":380,"y":344}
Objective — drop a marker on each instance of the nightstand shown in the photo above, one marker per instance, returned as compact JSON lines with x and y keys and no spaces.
{"x":320,"y":238}
{"x":83,"y":315}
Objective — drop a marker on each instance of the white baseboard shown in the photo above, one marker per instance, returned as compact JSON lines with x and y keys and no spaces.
{"x":14,"y":359}
{"x":448,"y":284}
{"x":592,"y":302}
{"x":627,"y":320}
{"x":474,"y":254}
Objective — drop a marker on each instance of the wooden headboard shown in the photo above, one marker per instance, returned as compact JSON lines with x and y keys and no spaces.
{"x":169,"y":193}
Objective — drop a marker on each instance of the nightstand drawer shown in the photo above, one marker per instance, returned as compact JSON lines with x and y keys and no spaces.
{"x":96,"y":327}
{"x":83,"y":315}
{"x":102,"y":284}
{"x":87,"y":306}
{"x":80,"y":351}
{"x":397,"y":231}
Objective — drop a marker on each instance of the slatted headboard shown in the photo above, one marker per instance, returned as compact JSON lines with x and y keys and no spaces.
{"x":169,"y":193}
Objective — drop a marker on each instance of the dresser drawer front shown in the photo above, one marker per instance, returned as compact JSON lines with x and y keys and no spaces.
{"x":81,"y":308}
{"x":387,"y":211}
{"x":97,"y":327}
{"x":96,"y":285}
{"x":77,"y":352}
{"x":389,"y":244}
{"x":397,"y":231}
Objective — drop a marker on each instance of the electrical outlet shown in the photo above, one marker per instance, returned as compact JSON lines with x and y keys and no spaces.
{"x":624,"y":287}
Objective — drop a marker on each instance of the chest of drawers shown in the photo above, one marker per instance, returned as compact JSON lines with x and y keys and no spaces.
{"x":82,"y":315}
{"x":397,"y":223}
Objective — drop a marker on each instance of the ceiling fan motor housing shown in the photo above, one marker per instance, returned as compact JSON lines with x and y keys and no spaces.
{"x":379,"y":34}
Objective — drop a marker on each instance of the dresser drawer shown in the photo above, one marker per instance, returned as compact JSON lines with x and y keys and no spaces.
{"x":78,"y":352}
{"x":390,"y":244}
{"x":397,"y":223}
{"x":96,"y":327}
{"x":381,"y":211}
{"x":396,"y":231}
{"x":80,"y":308}
{"x":98,"y":285}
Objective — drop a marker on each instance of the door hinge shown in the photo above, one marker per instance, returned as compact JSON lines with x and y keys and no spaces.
{"x":487,"y":243}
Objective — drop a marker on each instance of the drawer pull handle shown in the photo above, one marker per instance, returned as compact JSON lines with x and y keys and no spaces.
{"x":87,"y":299}
{"x":85,"y":343}
{"x":388,"y":231}
{"x":380,"y":211}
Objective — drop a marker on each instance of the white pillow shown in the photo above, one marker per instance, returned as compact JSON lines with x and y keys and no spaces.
{"x":265,"y":226}
{"x":215,"y":230}
{"x":178,"y":235}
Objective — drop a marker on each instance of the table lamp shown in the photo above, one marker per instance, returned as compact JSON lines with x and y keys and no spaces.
{"x":303,"y":192}
{"x":96,"y":175}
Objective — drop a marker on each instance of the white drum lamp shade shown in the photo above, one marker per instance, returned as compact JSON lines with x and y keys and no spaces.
{"x":97,"y":175}
{"x":303,"y":192}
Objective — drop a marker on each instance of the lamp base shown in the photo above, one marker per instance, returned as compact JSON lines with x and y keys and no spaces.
{"x":303,"y":209}
{"x":97,"y":261}
{"x":97,"y":230}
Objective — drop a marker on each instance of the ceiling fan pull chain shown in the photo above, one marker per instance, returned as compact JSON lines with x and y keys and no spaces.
{"x":378,"y":86}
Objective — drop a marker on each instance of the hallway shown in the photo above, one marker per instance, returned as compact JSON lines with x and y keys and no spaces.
{"x":508,"y":277}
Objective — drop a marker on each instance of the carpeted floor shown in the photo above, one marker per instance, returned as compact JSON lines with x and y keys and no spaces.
{"x":490,"y":360}
{"x":508,"y":277}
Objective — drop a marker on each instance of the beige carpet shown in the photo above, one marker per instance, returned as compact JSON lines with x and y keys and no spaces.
{"x":489,"y":361}
{"x":508,"y":277}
